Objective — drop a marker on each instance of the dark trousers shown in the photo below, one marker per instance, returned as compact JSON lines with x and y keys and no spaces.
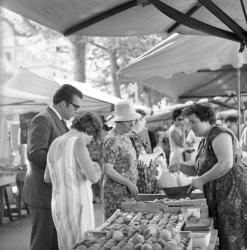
{"x":43,"y":234}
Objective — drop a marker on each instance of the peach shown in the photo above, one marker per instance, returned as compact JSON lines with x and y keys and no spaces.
{"x":165,"y":235}
{"x":117,"y":235}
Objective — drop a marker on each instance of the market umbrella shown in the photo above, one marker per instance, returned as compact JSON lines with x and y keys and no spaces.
{"x":224,"y":18}
{"x":35,"y":85}
{"x":27,"y":90}
{"x":191,"y":66}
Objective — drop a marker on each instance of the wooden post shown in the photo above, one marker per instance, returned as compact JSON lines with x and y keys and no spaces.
{"x":239,"y":102}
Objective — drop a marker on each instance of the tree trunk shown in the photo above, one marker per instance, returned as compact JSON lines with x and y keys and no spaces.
{"x":114,"y":69}
{"x":79,"y":53}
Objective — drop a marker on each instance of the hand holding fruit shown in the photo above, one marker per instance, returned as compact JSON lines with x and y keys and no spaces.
{"x":132,"y":188}
{"x":197,"y":183}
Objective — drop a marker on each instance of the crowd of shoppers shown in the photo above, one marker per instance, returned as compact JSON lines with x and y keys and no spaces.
{"x":66,"y":162}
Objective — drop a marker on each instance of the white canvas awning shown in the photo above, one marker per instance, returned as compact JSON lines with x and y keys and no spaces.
{"x":29,"y":91}
{"x":190,"y":66}
{"x":136,"y":17}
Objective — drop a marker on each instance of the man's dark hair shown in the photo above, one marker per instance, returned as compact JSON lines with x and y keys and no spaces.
{"x":141,"y":112}
{"x":176,"y":113}
{"x":66,"y":93}
{"x":231,"y":118}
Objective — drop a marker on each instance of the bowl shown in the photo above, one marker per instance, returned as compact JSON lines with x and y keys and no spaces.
{"x":177,"y":192}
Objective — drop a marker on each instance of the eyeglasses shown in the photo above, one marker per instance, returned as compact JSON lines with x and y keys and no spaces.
{"x":74,"y":105}
{"x":180,"y":119}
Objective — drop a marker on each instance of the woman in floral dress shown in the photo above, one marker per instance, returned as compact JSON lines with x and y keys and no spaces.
{"x":222,"y":175}
{"x":120,"y":163}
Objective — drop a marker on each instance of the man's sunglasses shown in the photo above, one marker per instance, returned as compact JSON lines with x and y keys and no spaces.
{"x":74,"y":105}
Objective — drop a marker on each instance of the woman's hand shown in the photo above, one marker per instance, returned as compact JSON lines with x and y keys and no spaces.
{"x":174,"y":168}
{"x":141,"y":165}
{"x":197,"y":183}
{"x":132,"y":188}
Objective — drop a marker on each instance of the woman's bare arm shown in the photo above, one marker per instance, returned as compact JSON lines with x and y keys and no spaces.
{"x":114,"y":175}
{"x":47,"y":177}
{"x":224,"y":156}
{"x":91,"y":169}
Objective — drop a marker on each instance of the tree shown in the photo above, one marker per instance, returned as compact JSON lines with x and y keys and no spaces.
{"x":92,"y":59}
{"x":107,"y":55}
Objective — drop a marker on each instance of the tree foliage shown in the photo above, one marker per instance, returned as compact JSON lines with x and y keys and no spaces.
{"x":91,"y":59}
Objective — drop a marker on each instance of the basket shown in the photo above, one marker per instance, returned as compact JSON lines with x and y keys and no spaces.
{"x":177,"y":192}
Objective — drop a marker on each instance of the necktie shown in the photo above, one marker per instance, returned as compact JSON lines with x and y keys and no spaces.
{"x":64,"y":123}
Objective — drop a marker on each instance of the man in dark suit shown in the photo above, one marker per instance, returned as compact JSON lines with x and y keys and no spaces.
{"x":44,"y":128}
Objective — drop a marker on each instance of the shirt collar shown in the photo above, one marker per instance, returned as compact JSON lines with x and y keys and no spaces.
{"x":56,"y":112}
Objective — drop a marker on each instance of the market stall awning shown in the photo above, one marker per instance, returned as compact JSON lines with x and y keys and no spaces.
{"x":32,"y":90}
{"x":136,"y":17}
{"x":190,"y":66}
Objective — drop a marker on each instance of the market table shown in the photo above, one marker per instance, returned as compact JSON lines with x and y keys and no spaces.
{"x":6,"y":179}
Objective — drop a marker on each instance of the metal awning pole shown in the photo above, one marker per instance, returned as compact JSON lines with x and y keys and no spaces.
{"x":239,"y":102}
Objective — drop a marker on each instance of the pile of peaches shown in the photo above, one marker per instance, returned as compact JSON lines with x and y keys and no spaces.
{"x":140,"y":231}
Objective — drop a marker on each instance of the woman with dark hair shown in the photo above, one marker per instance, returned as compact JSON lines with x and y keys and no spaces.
{"x":71,"y":172}
{"x":221,"y":174}
{"x":92,"y":125}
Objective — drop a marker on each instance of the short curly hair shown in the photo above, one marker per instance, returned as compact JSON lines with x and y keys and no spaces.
{"x":204,"y":112}
{"x":89,"y":123}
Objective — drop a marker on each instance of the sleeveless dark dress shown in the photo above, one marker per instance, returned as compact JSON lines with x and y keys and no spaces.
{"x":227,"y":195}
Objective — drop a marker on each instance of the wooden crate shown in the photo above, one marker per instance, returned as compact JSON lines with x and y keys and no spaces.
{"x":103,"y":229}
{"x":187,"y":234}
{"x":152,"y":197}
{"x":169,"y":206}
{"x":213,"y":240}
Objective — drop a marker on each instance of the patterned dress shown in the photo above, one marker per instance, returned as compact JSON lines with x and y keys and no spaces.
{"x":118,"y":151}
{"x":227,"y":195}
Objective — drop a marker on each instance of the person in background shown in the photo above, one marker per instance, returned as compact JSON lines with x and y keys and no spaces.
{"x":44,"y":128}
{"x":146,"y":182}
{"x":119,"y":158}
{"x":91,"y":124}
{"x":221,"y":174}
{"x":71,"y":172}
{"x":177,"y":137}
{"x":231,"y":122}
{"x":142,"y":129}
{"x":193,"y":141}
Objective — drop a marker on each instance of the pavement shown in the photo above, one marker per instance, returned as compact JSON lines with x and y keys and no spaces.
{"x":16,"y":235}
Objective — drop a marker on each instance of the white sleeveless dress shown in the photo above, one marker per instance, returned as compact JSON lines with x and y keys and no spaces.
{"x":72,"y":199}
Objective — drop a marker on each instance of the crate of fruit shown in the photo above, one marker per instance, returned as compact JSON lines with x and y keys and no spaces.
{"x":197,"y":206}
{"x":158,"y":204}
{"x":139,"y":230}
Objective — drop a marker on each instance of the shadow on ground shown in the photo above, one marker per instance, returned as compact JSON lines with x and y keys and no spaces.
{"x":15,"y":235}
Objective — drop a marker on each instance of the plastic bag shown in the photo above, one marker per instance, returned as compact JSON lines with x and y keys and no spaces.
{"x":183,"y":180}
{"x":168,"y":179}
{"x":176,"y":156}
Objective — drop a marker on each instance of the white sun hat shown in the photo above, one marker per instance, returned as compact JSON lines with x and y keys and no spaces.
{"x":125,"y":111}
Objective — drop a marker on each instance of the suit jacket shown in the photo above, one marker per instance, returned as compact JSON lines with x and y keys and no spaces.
{"x":44,"y":128}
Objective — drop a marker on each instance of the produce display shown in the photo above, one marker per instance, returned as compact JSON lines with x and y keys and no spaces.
{"x":140,"y":231}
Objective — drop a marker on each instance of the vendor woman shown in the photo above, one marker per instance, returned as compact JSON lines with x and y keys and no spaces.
{"x":222,"y":175}
{"x":120,"y":162}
